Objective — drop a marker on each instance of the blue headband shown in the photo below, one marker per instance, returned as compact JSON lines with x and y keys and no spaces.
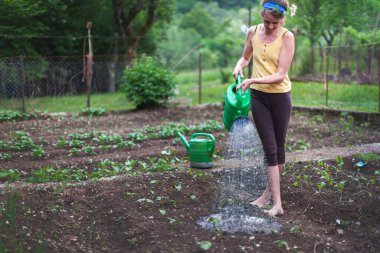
{"x":274,"y":6}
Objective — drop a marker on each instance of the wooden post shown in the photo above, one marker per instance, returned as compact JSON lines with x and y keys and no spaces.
{"x":200,"y":78}
{"x":89,"y":59}
{"x":23,"y":83}
{"x":378,"y":70}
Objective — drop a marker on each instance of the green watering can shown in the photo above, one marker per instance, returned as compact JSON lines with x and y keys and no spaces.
{"x":236,"y":104}
{"x":200,"y":150}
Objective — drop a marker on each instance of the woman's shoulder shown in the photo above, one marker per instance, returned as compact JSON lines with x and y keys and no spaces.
{"x":287,"y":34}
{"x":253,"y":29}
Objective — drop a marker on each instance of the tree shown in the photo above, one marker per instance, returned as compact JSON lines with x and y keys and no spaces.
{"x":200,"y":21}
{"x":15,"y":20}
{"x":133,"y":19}
{"x":326,"y":19}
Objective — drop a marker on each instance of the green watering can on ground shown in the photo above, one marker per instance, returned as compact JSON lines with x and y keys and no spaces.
{"x":236,"y":104}
{"x":200,"y":150}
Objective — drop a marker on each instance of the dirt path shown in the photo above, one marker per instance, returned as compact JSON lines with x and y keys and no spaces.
{"x":331,"y":153}
{"x":320,"y":154}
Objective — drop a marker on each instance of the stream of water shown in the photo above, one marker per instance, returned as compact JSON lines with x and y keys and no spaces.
{"x":242,"y":181}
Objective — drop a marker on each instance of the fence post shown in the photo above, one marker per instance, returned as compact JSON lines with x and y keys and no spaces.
{"x":23,"y":82}
{"x":326,"y":60}
{"x":378,"y":71}
{"x":200,"y":78}
{"x":88,"y":61}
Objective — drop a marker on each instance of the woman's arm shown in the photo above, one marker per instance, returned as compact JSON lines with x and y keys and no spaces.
{"x":285,"y":59}
{"x":247,"y":53}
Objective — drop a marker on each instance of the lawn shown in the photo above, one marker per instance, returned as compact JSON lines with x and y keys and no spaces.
{"x":352,"y":97}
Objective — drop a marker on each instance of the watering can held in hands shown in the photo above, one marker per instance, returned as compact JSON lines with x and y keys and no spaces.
{"x":200,"y":150}
{"x":236,"y":104}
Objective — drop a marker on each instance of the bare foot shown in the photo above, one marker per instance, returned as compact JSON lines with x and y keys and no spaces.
{"x":263,"y":200}
{"x":276,"y":210}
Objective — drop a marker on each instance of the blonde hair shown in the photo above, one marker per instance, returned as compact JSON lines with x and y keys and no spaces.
{"x":275,"y":13}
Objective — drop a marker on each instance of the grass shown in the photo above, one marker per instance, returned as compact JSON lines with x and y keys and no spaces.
{"x":341,"y":96}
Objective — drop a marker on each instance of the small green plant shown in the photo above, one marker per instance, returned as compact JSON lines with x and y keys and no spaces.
{"x":4,"y":156}
{"x":76,"y":143}
{"x":22,"y":141}
{"x":296,"y":229}
{"x":62,"y":143}
{"x":4,"y":145}
{"x":319,"y":118}
{"x":10,"y":175}
{"x":147,"y":83}
{"x":346,"y":120}
{"x":90,"y":150}
{"x":298,"y":145}
{"x":74,"y":151}
{"x":93,"y":112}
{"x":38,"y":152}
{"x":282,"y":244}
{"x":204,"y":245}
{"x":137,"y":136}
{"x":178,"y":186}
{"x":15,"y":115}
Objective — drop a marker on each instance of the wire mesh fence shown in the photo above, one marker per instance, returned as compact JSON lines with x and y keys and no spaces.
{"x":352,"y":77}
{"x":345,"y":77}
{"x":23,"y":80}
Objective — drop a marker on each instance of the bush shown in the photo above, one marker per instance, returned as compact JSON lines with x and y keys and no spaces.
{"x":146,"y":83}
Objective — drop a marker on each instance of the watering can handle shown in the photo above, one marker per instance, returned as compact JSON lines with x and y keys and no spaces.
{"x":239,"y":91}
{"x":238,"y":79}
{"x":203,"y":134}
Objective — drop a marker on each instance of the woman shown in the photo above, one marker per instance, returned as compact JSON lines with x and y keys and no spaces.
{"x":272,"y":48}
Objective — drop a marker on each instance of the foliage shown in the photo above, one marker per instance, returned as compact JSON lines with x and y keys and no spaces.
{"x":200,"y":21}
{"x":93,"y":112}
{"x":15,"y":115}
{"x":146,"y":83}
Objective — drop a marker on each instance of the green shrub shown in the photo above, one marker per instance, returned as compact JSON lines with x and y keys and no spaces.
{"x":146,"y":83}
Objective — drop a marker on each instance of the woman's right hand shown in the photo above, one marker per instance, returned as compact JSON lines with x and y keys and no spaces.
{"x":238,"y":70}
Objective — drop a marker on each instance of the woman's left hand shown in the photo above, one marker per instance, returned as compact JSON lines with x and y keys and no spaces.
{"x":245,"y":84}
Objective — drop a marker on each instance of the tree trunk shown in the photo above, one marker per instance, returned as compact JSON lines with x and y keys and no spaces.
{"x":132,"y":33}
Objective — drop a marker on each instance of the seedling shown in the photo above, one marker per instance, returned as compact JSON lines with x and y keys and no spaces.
{"x":282,"y":244}
{"x":204,"y":245}
{"x":4,"y":156}
{"x":38,"y":152}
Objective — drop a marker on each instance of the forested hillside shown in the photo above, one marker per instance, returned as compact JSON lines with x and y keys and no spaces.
{"x":170,"y":29}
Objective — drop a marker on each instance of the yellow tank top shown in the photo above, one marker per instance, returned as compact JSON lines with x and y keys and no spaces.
{"x":265,"y":62}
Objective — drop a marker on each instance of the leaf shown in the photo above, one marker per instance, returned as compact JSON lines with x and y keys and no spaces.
{"x":162,"y":211}
{"x":339,"y":160}
{"x":178,"y":186}
{"x":282,"y":243}
{"x":145,"y":200}
{"x":4,"y":174}
{"x":205,"y":245}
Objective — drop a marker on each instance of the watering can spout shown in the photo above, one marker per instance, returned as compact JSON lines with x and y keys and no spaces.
{"x":187,"y":146}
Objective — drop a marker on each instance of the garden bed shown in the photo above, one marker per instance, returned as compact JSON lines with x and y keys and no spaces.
{"x":121,"y":184}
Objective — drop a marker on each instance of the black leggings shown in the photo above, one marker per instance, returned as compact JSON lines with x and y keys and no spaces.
{"x":271,"y":114}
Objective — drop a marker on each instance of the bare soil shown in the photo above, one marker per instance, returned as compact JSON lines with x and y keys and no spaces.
{"x":148,"y":213}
